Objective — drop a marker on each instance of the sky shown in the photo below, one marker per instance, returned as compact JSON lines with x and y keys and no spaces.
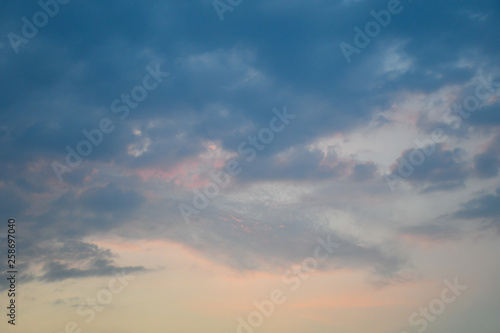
{"x":250,"y":166}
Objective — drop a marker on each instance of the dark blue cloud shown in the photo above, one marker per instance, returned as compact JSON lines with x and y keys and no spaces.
{"x":110,"y":198}
{"x":91,"y":52}
{"x":488,"y":162}
{"x":486,"y":206}
{"x":364,"y":171}
{"x":441,"y":170}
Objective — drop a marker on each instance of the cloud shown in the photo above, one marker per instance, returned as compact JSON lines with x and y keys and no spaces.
{"x":486,"y":207}
{"x":487,"y":117}
{"x":11,"y":203}
{"x":441,"y":170}
{"x":436,"y":231}
{"x":225,"y":80}
{"x":364,"y":171}
{"x":67,"y":259}
{"x":54,"y":271}
{"x":297,"y":164}
{"x":486,"y":164}
{"x":226,"y":233}
{"x":110,"y":198}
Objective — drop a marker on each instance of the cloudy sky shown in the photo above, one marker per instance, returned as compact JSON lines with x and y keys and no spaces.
{"x":174,"y":166}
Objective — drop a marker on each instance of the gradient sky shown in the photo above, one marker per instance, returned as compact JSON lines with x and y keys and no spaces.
{"x":392,"y":153}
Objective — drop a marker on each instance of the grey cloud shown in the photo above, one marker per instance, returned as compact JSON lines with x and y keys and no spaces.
{"x":54,"y":271}
{"x":66,"y":259}
{"x":438,"y":230}
{"x":275,"y":237}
